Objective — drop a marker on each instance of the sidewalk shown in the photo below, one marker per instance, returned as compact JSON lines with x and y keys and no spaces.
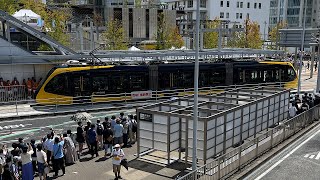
{"x":101,"y":169}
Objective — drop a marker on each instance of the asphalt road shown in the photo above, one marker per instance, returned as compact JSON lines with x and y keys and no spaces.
{"x":300,"y":160}
{"x":36,"y":128}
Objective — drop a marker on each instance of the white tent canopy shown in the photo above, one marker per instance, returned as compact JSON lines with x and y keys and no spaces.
{"x":26,"y":15}
{"x":133,"y":48}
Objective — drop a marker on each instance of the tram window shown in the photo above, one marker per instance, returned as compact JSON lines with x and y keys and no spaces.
{"x":100,"y":84}
{"x":58,"y":85}
{"x":137,"y":82}
{"x":118,"y":83}
{"x":291,"y":74}
{"x":214,"y":77}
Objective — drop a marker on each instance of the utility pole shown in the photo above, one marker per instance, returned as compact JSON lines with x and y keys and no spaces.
{"x":196,"y":78}
{"x":302,"y":45}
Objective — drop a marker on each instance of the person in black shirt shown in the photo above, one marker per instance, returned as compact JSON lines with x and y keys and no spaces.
{"x":21,"y":143}
{"x":86,"y":129}
{"x":80,"y":137}
{"x":107,"y":140}
{"x":34,"y":156}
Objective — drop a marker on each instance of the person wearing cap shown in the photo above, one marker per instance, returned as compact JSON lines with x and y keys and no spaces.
{"x":117,"y":155}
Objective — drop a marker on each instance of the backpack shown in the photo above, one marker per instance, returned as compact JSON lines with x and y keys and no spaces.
{"x":99,"y":129}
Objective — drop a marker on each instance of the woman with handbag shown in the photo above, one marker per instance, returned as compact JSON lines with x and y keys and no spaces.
{"x":42,"y":162}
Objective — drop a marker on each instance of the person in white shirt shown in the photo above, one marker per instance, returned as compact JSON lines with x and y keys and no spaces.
{"x":26,"y":160}
{"x":42,"y":161}
{"x":117,"y":155}
{"x":292,"y":110}
{"x":48,"y":146}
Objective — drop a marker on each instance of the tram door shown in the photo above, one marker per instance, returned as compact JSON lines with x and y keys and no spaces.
{"x":82,"y":87}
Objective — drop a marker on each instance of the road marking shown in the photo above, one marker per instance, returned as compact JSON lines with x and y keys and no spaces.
{"x":56,"y":125}
{"x":285,"y":157}
{"x":312,"y":156}
{"x":307,"y":155}
{"x":318,"y":156}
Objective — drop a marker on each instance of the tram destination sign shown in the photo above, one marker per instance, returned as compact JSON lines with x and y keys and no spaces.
{"x":145,"y":117}
{"x":141,"y":94}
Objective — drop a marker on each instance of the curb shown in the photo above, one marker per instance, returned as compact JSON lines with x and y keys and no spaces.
{"x":251,"y":167}
{"x":67,"y":112}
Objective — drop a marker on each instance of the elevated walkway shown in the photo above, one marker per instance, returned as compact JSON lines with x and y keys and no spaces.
{"x":8,"y":21}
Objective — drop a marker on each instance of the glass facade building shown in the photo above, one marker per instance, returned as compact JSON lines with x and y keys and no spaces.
{"x":291,"y":11}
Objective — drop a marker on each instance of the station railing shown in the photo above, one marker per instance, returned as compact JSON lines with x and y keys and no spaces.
{"x":13,"y":104}
{"x":227,"y":164}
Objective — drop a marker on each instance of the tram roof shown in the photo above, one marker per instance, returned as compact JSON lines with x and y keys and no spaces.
{"x":145,"y":55}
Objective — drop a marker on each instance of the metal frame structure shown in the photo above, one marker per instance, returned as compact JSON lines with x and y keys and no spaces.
{"x":225,"y":120}
{"x":154,"y":55}
{"x":224,"y":166}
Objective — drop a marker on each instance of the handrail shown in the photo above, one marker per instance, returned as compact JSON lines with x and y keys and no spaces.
{"x":229,"y":163}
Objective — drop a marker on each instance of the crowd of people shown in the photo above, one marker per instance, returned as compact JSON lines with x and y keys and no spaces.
{"x":14,"y":89}
{"x":298,"y":106}
{"x":28,"y":160}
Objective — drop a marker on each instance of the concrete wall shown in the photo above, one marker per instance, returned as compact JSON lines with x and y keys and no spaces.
{"x":168,"y":14}
{"x":139,"y":23}
{"x":153,"y":20}
{"x":125,"y":21}
{"x":8,"y":72}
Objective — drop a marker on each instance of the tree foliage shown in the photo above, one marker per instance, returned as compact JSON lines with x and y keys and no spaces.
{"x":249,"y":38}
{"x":274,"y":33}
{"x":58,"y":16}
{"x":114,"y":36}
{"x":9,"y":6}
{"x":167,"y":36}
{"x":210,"y":39}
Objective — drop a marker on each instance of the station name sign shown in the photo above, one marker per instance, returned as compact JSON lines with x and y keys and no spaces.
{"x":145,"y":117}
{"x":141,"y":94}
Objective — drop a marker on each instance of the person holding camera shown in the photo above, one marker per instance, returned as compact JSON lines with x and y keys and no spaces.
{"x":58,"y":156}
{"x":27,"y":169}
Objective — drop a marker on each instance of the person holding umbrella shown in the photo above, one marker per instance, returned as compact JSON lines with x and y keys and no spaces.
{"x":117,"y":155}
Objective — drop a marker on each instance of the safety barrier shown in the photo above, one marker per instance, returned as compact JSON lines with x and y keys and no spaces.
{"x":10,"y":105}
{"x":227,"y":164}
{"x":13,"y":93}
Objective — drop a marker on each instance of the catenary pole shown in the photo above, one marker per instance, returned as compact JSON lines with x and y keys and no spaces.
{"x":302,"y":46}
{"x":196,"y":77}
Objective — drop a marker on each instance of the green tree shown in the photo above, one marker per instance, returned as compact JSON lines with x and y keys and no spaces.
{"x":59,"y":16}
{"x":114,"y":36}
{"x":249,"y":38}
{"x":274,"y":33}
{"x":210,"y":39}
{"x":167,"y":36}
{"x":10,"y":6}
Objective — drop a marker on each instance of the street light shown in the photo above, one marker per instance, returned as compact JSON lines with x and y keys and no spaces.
{"x":196,"y":77}
{"x":302,"y":44}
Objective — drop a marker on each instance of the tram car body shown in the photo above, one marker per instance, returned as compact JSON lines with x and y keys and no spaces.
{"x":63,"y":85}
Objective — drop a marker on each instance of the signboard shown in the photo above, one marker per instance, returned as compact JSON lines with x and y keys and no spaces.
{"x":293,"y":37}
{"x":145,"y":117}
{"x":141,"y":94}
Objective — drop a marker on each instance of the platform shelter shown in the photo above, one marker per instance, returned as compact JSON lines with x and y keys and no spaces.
{"x":225,"y":120}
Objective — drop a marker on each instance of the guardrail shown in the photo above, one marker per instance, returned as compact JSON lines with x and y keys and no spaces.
{"x":13,"y":93}
{"x":229,"y":163}
{"x":11,"y":105}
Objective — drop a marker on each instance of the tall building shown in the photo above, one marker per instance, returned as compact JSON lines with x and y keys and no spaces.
{"x":291,"y":12}
{"x":233,"y":12}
